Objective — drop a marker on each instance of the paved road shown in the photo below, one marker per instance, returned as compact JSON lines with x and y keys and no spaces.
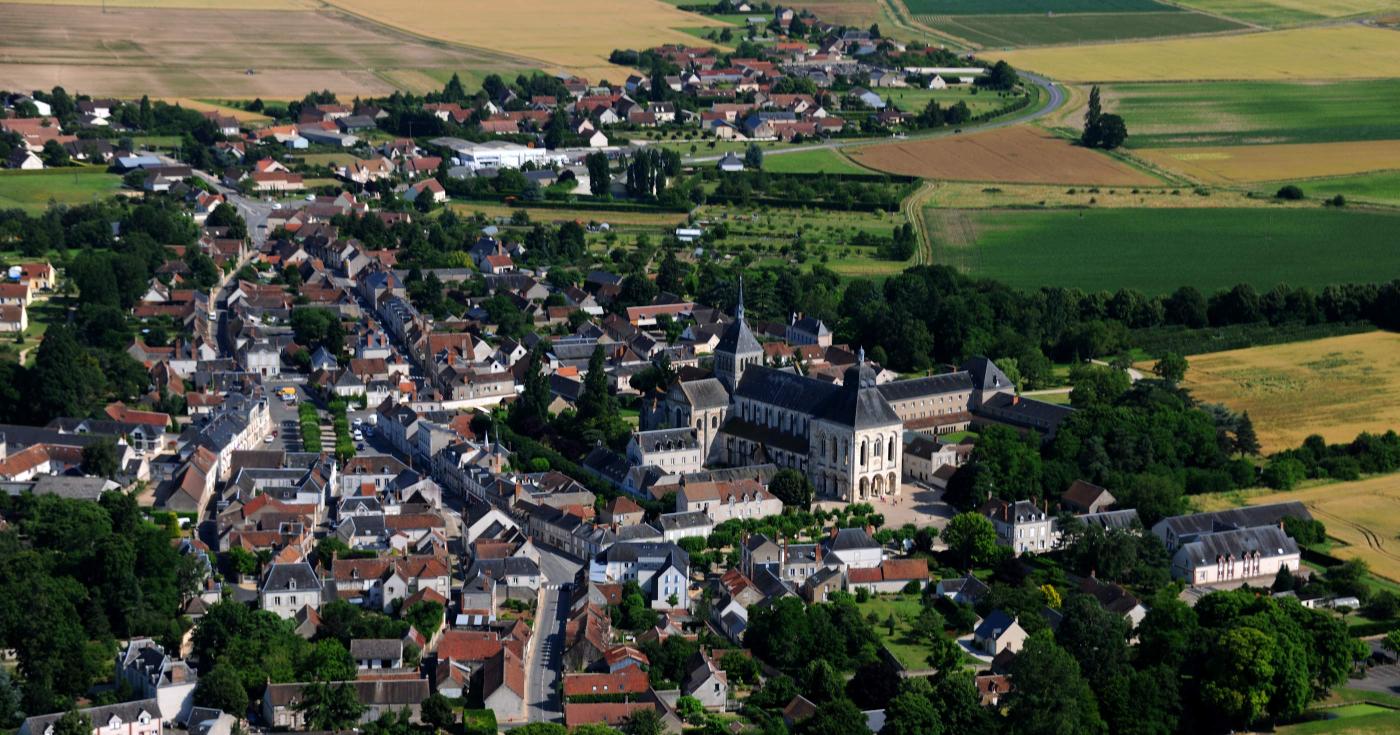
{"x":1055,"y":101}
{"x":542,"y":672}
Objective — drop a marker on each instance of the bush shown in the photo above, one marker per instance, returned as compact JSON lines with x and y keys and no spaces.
{"x":1284,"y":474}
{"x":1290,"y":192}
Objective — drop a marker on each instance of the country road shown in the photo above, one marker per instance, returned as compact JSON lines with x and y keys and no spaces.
{"x":1056,"y":100}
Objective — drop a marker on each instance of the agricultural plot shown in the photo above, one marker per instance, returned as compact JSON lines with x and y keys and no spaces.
{"x":1337,"y":387}
{"x":180,"y":4}
{"x":33,"y":190}
{"x":1031,"y":7}
{"x":914,"y":100}
{"x":1158,"y":250}
{"x":1253,"y":163}
{"x":576,"y":35}
{"x":1332,"y":52}
{"x":851,"y":12}
{"x":1275,"y":13}
{"x":1043,"y":30}
{"x":1383,"y":188}
{"x":128,"y":52}
{"x":821,"y":160}
{"x":965,"y":195}
{"x":1019,"y":154}
{"x":1235,"y":113}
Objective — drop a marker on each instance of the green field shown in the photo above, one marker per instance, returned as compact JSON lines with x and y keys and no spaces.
{"x":1235,"y":113}
{"x":33,"y":190}
{"x":1381,"y":187}
{"x":1037,"y":30}
{"x":910,"y":651}
{"x":821,"y":160}
{"x":911,"y":99}
{"x":1031,"y":7}
{"x":1352,"y":719}
{"x":1276,"y":13}
{"x":1157,"y":250}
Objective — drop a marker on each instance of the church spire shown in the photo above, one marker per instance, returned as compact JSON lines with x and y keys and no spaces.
{"x":739,"y":309}
{"x":860,"y":355}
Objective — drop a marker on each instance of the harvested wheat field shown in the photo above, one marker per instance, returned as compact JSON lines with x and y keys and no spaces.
{"x":1332,"y":52}
{"x":575,"y":35}
{"x":1022,"y":155}
{"x":1363,"y":515}
{"x":1336,"y":387}
{"x":129,"y":52}
{"x":1250,"y":163}
{"x":182,"y":4}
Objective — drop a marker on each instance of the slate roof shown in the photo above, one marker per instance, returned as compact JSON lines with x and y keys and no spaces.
{"x":100,"y":716}
{"x":298,"y":576}
{"x":705,"y":394}
{"x":376,"y":648}
{"x":985,"y":374}
{"x":1246,"y":517}
{"x":738,"y":339}
{"x":685,"y":520}
{"x":903,"y":390}
{"x":1267,"y":540}
{"x":996,"y":620}
{"x":848,"y":539}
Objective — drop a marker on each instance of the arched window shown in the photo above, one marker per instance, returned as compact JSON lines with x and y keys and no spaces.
{"x":879,"y":447}
{"x":864,"y":454}
{"x":890,"y":449}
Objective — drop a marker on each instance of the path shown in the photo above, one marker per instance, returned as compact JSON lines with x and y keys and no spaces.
{"x":545,"y":660}
{"x":913,"y":207}
{"x":1053,"y":91}
{"x":1133,"y":373}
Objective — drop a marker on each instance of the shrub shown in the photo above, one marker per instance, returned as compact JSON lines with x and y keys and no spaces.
{"x":1284,"y":474}
{"x":1290,"y":192}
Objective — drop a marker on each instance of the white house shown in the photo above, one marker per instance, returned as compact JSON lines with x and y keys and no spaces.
{"x":155,"y":675}
{"x":287,"y":588}
{"x":141,"y":717}
{"x":660,"y":569}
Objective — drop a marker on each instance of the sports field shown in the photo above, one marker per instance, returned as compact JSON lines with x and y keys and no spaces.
{"x":1020,"y":154}
{"x":1252,"y":163}
{"x":1234,"y":113}
{"x":1275,"y":13}
{"x":573,"y":35}
{"x":1158,"y":250}
{"x":33,"y":190}
{"x":1040,"y":30}
{"x":129,"y":52}
{"x":1332,"y":52}
{"x":1336,"y":387}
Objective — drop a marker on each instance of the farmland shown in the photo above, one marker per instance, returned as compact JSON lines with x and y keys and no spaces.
{"x":1031,"y":7}
{"x":1251,"y":163}
{"x":1157,"y":250}
{"x":33,"y":190}
{"x":821,"y":160}
{"x":1275,"y":13}
{"x":576,"y":35}
{"x":1335,"y":387}
{"x":1234,"y":113}
{"x":1333,"y":52}
{"x":1017,"y":154}
{"x":1039,"y":30}
{"x":1379,"y":187}
{"x":965,"y":195}
{"x":134,"y":51}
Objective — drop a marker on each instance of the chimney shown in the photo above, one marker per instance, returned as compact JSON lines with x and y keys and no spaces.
{"x":833,"y":532}
{"x":870,"y":529}
{"x":1015,"y":399}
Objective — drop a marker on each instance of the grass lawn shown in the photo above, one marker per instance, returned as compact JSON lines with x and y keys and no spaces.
{"x":1037,"y":30}
{"x":913,"y":654}
{"x":911,"y":99}
{"x":1158,"y":250}
{"x":1356,"y":719}
{"x":1383,"y":187}
{"x":822,"y":160}
{"x":33,"y":190}
{"x":1236,"y":113}
{"x":825,"y":236}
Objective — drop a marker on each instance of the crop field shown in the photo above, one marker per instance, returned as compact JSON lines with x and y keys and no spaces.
{"x":503,"y":213}
{"x":966,"y":195}
{"x":272,"y":54}
{"x":1332,"y":52}
{"x":914,"y":100}
{"x":852,"y":12}
{"x":33,"y":190}
{"x":1336,"y":387}
{"x":1252,"y":163}
{"x":1276,"y":13}
{"x":1234,"y":113}
{"x":1158,"y":250}
{"x":1031,"y":7}
{"x":180,"y":4}
{"x":1019,"y":154}
{"x":821,"y":160}
{"x":1382,"y":187}
{"x":576,"y":35}
{"x":1041,"y":30}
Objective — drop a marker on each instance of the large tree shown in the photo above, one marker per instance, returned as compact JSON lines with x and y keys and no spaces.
{"x":971,"y":539}
{"x":329,"y":706}
{"x":1048,"y":694}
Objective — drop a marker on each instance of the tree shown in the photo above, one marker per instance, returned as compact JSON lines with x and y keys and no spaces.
{"x":791,"y":487}
{"x":1112,"y":131}
{"x":1246,"y":441}
{"x":643,"y":722}
{"x":54,"y":154}
{"x":1090,"y":136}
{"x":100,"y":459}
{"x":1392,"y":642}
{"x":1291,"y":192}
{"x":1171,"y":367}
{"x":911,"y":713}
{"x":971,"y":538}
{"x":690,"y":710}
{"x":596,"y":405}
{"x":837,"y":717}
{"x":73,"y":722}
{"x":1048,"y":694}
{"x":223,"y":690}
{"x":1238,"y":680}
{"x":439,"y":712}
{"x":1284,"y":473}
{"x":329,"y":706}
{"x":1096,"y":385}
{"x":328,"y":661}
{"x":753,"y":157}
{"x":599,"y":179}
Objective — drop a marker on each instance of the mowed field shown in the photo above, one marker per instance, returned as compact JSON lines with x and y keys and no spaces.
{"x":171,"y":52}
{"x":182,"y":4}
{"x":1158,"y":250}
{"x":1233,"y":113}
{"x":1253,"y":163}
{"x":1336,"y":387}
{"x":1020,"y":154}
{"x":33,"y":190}
{"x":1042,"y":30}
{"x":1275,"y":13}
{"x":822,"y":160}
{"x":1332,"y":52}
{"x":1383,"y":188}
{"x":573,"y":35}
